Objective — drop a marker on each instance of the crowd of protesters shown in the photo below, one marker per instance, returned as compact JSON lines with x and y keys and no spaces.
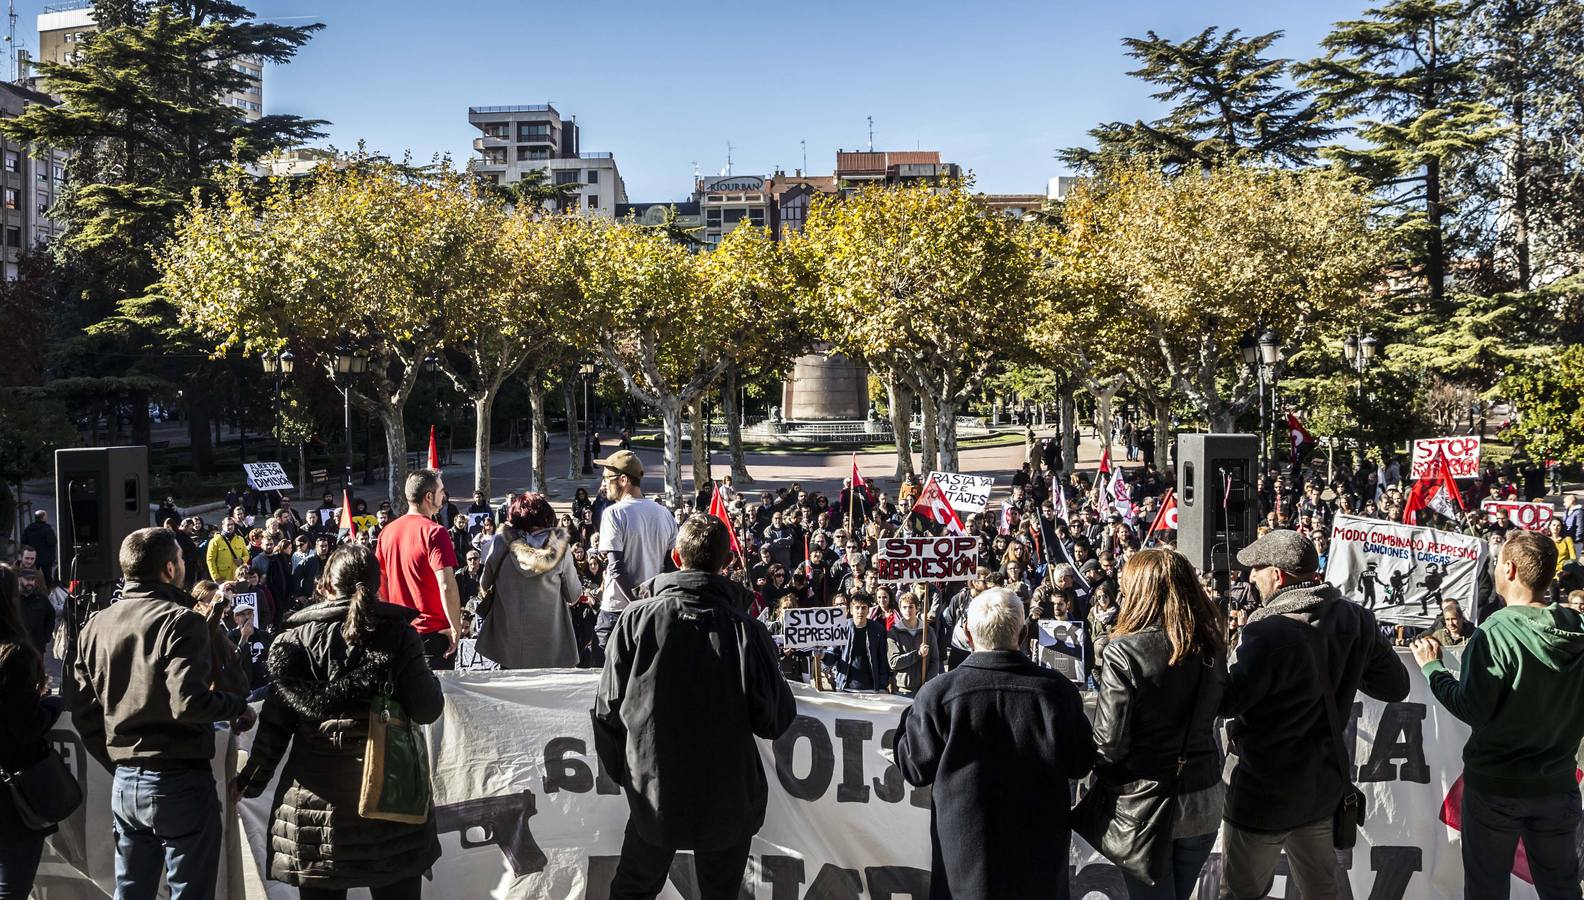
{"x":310,"y":615}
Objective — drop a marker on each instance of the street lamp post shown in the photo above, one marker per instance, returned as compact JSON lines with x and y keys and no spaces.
{"x":348,"y":364}
{"x":1360,"y":352}
{"x":280,"y":366}
{"x":587,"y":371}
{"x":1270,"y":363}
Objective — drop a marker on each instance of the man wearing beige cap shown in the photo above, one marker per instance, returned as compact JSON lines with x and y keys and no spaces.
{"x":1302,"y":656}
{"x":636,"y":535}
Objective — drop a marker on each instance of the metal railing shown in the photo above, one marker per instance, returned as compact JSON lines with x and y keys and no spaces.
{"x":597,"y":154}
{"x":68,"y":6}
{"x":488,"y":110}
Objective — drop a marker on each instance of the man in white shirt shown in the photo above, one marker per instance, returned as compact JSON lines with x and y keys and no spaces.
{"x":636,"y":535}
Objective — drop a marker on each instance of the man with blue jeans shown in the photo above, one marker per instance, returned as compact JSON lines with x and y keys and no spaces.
{"x":1521,"y":690}
{"x":147,"y":706}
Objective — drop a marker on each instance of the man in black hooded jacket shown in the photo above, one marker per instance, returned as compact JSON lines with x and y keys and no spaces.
{"x":689,"y":680}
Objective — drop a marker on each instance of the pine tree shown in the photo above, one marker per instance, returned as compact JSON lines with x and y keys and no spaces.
{"x":1421,"y":117}
{"x":534,"y":189}
{"x":1230,"y":103}
{"x":144,"y":117}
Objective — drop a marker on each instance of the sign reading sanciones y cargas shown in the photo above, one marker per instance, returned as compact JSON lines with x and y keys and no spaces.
{"x":910,"y":559}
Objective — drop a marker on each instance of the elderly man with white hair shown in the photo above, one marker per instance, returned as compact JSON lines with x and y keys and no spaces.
{"x":999,"y":738}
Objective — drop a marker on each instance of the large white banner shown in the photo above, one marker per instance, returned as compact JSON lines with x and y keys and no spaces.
{"x":967,"y":493}
{"x":1403,"y":572}
{"x":525,"y":811}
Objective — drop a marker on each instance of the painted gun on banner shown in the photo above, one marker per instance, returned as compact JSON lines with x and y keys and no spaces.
{"x":503,"y":822}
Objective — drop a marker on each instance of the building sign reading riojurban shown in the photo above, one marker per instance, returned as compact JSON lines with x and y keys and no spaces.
{"x":731,"y":184}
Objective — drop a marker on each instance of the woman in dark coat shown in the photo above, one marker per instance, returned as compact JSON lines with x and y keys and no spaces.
{"x":334,"y":657}
{"x":26,"y":715}
{"x":1161,"y":678}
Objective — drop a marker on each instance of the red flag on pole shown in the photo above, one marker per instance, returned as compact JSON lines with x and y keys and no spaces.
{"x":718,"y":510}
{"x":1105,"y":461}
{"x":1438,"y":491}
{"x":1166,"y":516}
{"x":434,"y":450}
{"x":934,"y":505}
{"x":858,"y":482}
{"x":346,"y":514}
{"x":1302,"y":440}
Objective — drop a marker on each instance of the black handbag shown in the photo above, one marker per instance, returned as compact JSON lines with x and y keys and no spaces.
{"x":1132,"y":840}
{"x":43,"y":793}
{"x":1349,"y":814}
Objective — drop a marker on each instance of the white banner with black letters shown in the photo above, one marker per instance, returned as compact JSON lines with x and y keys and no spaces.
{"x":1403,"y":572}
{"x":524,"y":811}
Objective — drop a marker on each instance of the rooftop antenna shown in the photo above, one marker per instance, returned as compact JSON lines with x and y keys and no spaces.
{"x":728,"y":157}
{"x":11,"y":42}
{"x":804,"y":145}
{"x":871,"y":133}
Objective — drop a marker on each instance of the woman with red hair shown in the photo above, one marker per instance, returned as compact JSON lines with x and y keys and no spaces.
{"x":528,"y":622}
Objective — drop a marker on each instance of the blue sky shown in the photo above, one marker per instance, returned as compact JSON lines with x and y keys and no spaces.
{"x":994,"y":85}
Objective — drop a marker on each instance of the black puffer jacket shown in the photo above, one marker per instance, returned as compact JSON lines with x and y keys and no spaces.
{"x":319,"y":707}
{"x":25,"y":718}
{"x":1143,"y":710}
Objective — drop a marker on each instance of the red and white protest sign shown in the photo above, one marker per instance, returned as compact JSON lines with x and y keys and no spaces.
{"x":910,"y":559}
{"x":1529,"y":516}
{"x":1462,"y":455}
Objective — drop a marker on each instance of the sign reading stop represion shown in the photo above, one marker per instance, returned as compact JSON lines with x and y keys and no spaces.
{"x":1462,"y":456}
{"x":910,"y":559}
{"x":1528,"y":516}
{"x":819,"y":626}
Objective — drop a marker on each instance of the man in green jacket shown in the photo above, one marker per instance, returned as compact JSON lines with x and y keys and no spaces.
{"x":1521,"y":690}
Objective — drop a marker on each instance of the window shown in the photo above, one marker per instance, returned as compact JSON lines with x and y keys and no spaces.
{"x":538,"y":153}
{"x":533,"y":132}
{"x":593,"y":202}
{"x":732,"y":216}
{"x":756,"y":216}
{"x":11,"y":198}
{"x":566,"y":176}
{"x":592,"y":177}
{"x":712,"y":218}
{"x":13,"y":161}
{"x":43,"y":208}
{"x":13,"y":236}
{"x":60,"y":173}
{"x":43,"y":172}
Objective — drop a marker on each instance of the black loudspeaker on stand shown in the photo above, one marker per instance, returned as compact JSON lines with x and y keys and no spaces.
{"x":1217,"y":511}
{"x":101,"y":496}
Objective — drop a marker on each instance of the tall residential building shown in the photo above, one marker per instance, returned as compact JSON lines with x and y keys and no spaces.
{"x":62,"y":26}
{"x":29,"y":185}
{"x":517,"y":139}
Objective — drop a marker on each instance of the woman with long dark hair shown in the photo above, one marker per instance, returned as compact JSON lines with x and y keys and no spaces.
{"x":1159,"y":775}
{"x":327,"y":666}
{"x":27,"y":713}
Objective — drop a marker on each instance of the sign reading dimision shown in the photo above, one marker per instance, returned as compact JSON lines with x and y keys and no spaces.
{"x":909,"y":559}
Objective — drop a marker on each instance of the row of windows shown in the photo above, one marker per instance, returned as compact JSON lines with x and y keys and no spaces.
{"x":246,"y":104}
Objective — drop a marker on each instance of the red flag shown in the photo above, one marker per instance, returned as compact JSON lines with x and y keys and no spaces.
{"x":434,"y":450}
{"x":1438,"y":491}
{"x":1166,"y":516}
{"x":1105,"y":461}
{"x":718,"y":510}
{"x":858,"y":482}
{"x":1302,"y":440}
{"x":346,"y":514}
{"x":934,"y":505}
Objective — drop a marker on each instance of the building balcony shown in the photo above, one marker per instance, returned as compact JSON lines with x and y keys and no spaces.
{"x":480,"y":143}
{"x":485,"y":164}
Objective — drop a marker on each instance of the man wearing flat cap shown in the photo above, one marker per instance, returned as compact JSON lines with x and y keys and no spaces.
{"x":1302,"y":656}
{"x":635,"y":534}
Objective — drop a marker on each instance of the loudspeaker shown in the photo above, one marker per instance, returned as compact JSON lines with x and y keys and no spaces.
{"x":101,"y":496}
{"x":1217,"y":511}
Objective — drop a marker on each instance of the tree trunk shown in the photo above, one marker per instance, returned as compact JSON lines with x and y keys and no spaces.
{"x":731,"y":408}
{"x":900,"y":402}
{"x":1435,"y":248}
{"x":394,"y":422}
{"x":302,"y":472}
{"x":946,"y":447}
{"x":1222,"y":419}
{"x":930,"y":434}
{"x":1520,"y":204}
{"x":483,"y":412}
{"x":1103,"y":410}
{"x":671,"y":418}
{"x":541,"y":438}
{"x":698,"y":431}
{"x":1069,"y":432}
{"x":141,"y":426}
{"x":1162,"y":432}
{"x":198,"y":434}
{"x":574,"y":425}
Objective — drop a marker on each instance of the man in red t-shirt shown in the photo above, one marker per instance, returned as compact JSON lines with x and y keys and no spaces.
{"x":418,"y":569}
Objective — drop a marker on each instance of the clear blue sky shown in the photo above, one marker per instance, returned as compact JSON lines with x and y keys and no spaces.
{"x":994,"y":85}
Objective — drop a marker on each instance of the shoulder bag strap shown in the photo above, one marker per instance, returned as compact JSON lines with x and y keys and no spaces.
{"x":1193,"y":716}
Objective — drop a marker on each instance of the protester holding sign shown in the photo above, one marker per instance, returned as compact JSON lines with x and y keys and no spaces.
{"x":1303,"y":655}
{"x":908,"y":648}
{"x":998,"y":738}
{"x":1521,"y":689}
{"x":1158,"y":794}
{"x":689,"y":681}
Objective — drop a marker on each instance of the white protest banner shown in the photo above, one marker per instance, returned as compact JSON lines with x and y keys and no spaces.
{"x":967,"y":493}
{"x":1531,"y":516}
{"x":815,"y":627}
{"x":1462,"y":454}
{"x":910,"y":559}
{"x":1403,"y":572}
{"x":267,"y":476}
{"x":468,"y":659}
{"x":525,"y":811}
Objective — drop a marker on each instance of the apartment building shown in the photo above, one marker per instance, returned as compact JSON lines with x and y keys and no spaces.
{"x":516,"y":139}
{"x":29,"y":185}
{"x":63,"y":26}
